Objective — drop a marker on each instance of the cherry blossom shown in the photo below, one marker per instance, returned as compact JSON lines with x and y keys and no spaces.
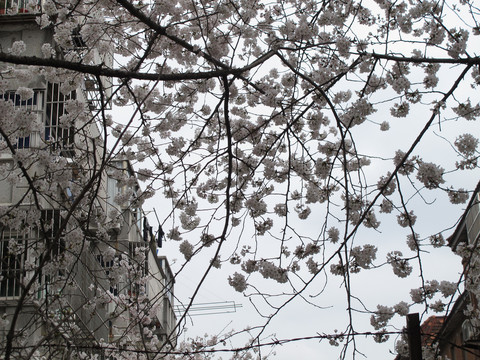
{"x":256,"y":136}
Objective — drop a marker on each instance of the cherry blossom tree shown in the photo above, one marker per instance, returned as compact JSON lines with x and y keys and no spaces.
{"x":280,"y":136}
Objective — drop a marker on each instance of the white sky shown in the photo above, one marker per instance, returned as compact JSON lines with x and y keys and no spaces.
{"x":378,"y":286}
{"x":372,"y":287}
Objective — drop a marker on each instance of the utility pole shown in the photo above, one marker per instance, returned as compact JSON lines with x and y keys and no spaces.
{"x":414,"y":336}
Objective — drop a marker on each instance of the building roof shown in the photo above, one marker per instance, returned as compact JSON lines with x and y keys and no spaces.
{"x":460,"y":235}
{"x":431,"y":328}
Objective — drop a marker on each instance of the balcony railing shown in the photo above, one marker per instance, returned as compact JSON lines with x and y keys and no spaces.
{"x":15,"y":7}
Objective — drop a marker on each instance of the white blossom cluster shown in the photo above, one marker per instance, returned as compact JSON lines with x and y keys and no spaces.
{"x":238,"y":282}
{"x":400,"y":265}
{"x":446,"y":288}
{"x":362,"y":257}
{"x":381,"y":316}
{"x":406,"y":219}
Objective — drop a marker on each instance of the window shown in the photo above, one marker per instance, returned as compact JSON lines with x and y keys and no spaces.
{"x":49,"y":233}
{"x":60,"y":136}
{"x":77,"y":40}
{"x":13,"y":7}
{"x":52,"y":221}
{"x":50,"y":107}
{"x":138,"y":254}
{"x":35,"y":104}
{"x":107,"y":266}
{"x":13,"y":253}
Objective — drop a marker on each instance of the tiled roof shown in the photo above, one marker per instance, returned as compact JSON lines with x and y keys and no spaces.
{"x":430,"y":329}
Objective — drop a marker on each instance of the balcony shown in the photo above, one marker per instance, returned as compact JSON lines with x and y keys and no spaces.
{"x":20,"y":7}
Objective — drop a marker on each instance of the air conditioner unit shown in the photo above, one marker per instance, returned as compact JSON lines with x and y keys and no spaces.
{"x":92,"y":220}
{"x":116,"y":227}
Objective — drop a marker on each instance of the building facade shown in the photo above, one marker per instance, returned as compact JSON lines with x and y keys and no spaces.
{"x":460,"y":336}
{"x":81,"y":271}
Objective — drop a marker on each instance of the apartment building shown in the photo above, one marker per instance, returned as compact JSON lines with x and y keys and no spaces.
{"x":81,"y":270}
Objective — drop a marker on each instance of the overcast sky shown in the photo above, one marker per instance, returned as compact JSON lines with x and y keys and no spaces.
{"x":377,"y":286}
